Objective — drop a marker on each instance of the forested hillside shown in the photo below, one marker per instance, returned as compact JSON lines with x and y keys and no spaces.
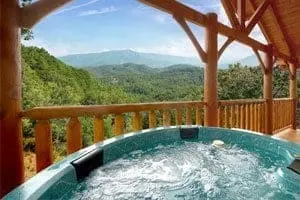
{"x":177,"y":82}
{"x":185,"y":82}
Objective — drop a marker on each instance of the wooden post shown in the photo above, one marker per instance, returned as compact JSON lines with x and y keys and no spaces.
{"x":98,"y":129}
{"x":268,"y":79}
{"x":74,"y":139}
{"x":293,"y":94}
{"x":210,"y":72}
{"x":11,"y":143}
{"x":43,"y":144}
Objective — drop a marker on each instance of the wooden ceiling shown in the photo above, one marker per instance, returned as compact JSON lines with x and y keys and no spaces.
{"x":280,"y":23}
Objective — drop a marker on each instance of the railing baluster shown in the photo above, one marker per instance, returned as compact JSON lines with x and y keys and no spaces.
{"x":243,"y":116}
{"x":220,"y":116}
{"x":232,"y":116}
{"x":188,"y":116}
{"x":238,"y":116}
{"x":136,"y":121}
{"x":43,"y":144}
{"x":226,"y":117}
{"x":152,"y":119}
{"x":255,"y":117}
{"x":119,"y":124}
{"x":74,"y":139}
{"x":263,"y":117}
{"x":248,"y":121}
{"x":280,"y":115}
{"x":258,"y":118}
{"x":252,"y":124}
{"x":178,"y":117}
{"x":274,"y":115}
{"x":98,"y":129}
{"x":199,"y":115}
{"x":166,"y":118}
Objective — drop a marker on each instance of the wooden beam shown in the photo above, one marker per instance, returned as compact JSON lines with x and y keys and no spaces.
{"x":224,"y":46}
{"x":257,"y":15}
{"x":190,"y":34}
{"x":11,"y":142}
{"x":268,"y":81}
{"x":230,"y":12}
{"x":33,"y":13}
{"x":260,"y":60}
{"x":175,"y":8}
{"x":241,"y":11}
{"x":211,"y":72}
{"x":293,"y":93}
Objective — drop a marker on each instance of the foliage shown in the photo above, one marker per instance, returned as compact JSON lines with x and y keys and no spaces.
{"x":48,"y":81}
{"x":26,"y":33}
{"x":174,"y":83}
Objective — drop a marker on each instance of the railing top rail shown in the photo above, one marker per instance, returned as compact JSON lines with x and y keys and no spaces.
{"x":240,"y":101}
{"x":282,"y":99}
{"x":55,"y":112}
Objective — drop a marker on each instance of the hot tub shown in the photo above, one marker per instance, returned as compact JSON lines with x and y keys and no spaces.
{"x":173,"y":163}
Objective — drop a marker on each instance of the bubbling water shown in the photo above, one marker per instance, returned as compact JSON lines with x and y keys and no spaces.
{"x":185,"y":170}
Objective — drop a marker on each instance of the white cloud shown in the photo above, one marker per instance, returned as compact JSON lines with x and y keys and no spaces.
{"x":61,"y":48}
{"x":176,"y":47}
{"x":76,"y":7}
{"x":97,"y":12}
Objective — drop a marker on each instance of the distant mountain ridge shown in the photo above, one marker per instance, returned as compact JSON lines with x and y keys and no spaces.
{"x":118,"y":57}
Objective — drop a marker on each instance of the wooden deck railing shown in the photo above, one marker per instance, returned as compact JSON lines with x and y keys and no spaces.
{"x":244,"y":114}
{"x":282,"y":113}
{"x":182,"y":112}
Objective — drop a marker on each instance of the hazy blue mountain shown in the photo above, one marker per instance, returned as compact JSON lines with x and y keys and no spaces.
{"x":250,"y":61}
{"x":127,"y":56}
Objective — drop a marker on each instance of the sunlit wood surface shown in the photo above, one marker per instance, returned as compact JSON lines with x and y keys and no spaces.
{"x":290,"y":135}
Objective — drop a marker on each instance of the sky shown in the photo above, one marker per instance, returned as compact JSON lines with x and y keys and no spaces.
{"x":88,"y":26}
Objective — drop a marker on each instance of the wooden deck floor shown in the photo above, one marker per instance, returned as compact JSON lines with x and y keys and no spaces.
{"x":290,"y":135}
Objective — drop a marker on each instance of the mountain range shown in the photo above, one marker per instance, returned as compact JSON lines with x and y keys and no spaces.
{"x":117,"y":57}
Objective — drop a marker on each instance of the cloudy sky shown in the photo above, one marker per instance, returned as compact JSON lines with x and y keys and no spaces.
{"x":86,"y":26}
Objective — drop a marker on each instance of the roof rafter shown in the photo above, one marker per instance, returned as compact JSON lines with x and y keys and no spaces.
{"x":241,"y":11}
{"x":257,"y":15}
{"x":224,"y":46}
{"x":229,"y":9}
{"x":260,"y":60}
{"x":176,"y":8}
{"x":190,"y":34}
